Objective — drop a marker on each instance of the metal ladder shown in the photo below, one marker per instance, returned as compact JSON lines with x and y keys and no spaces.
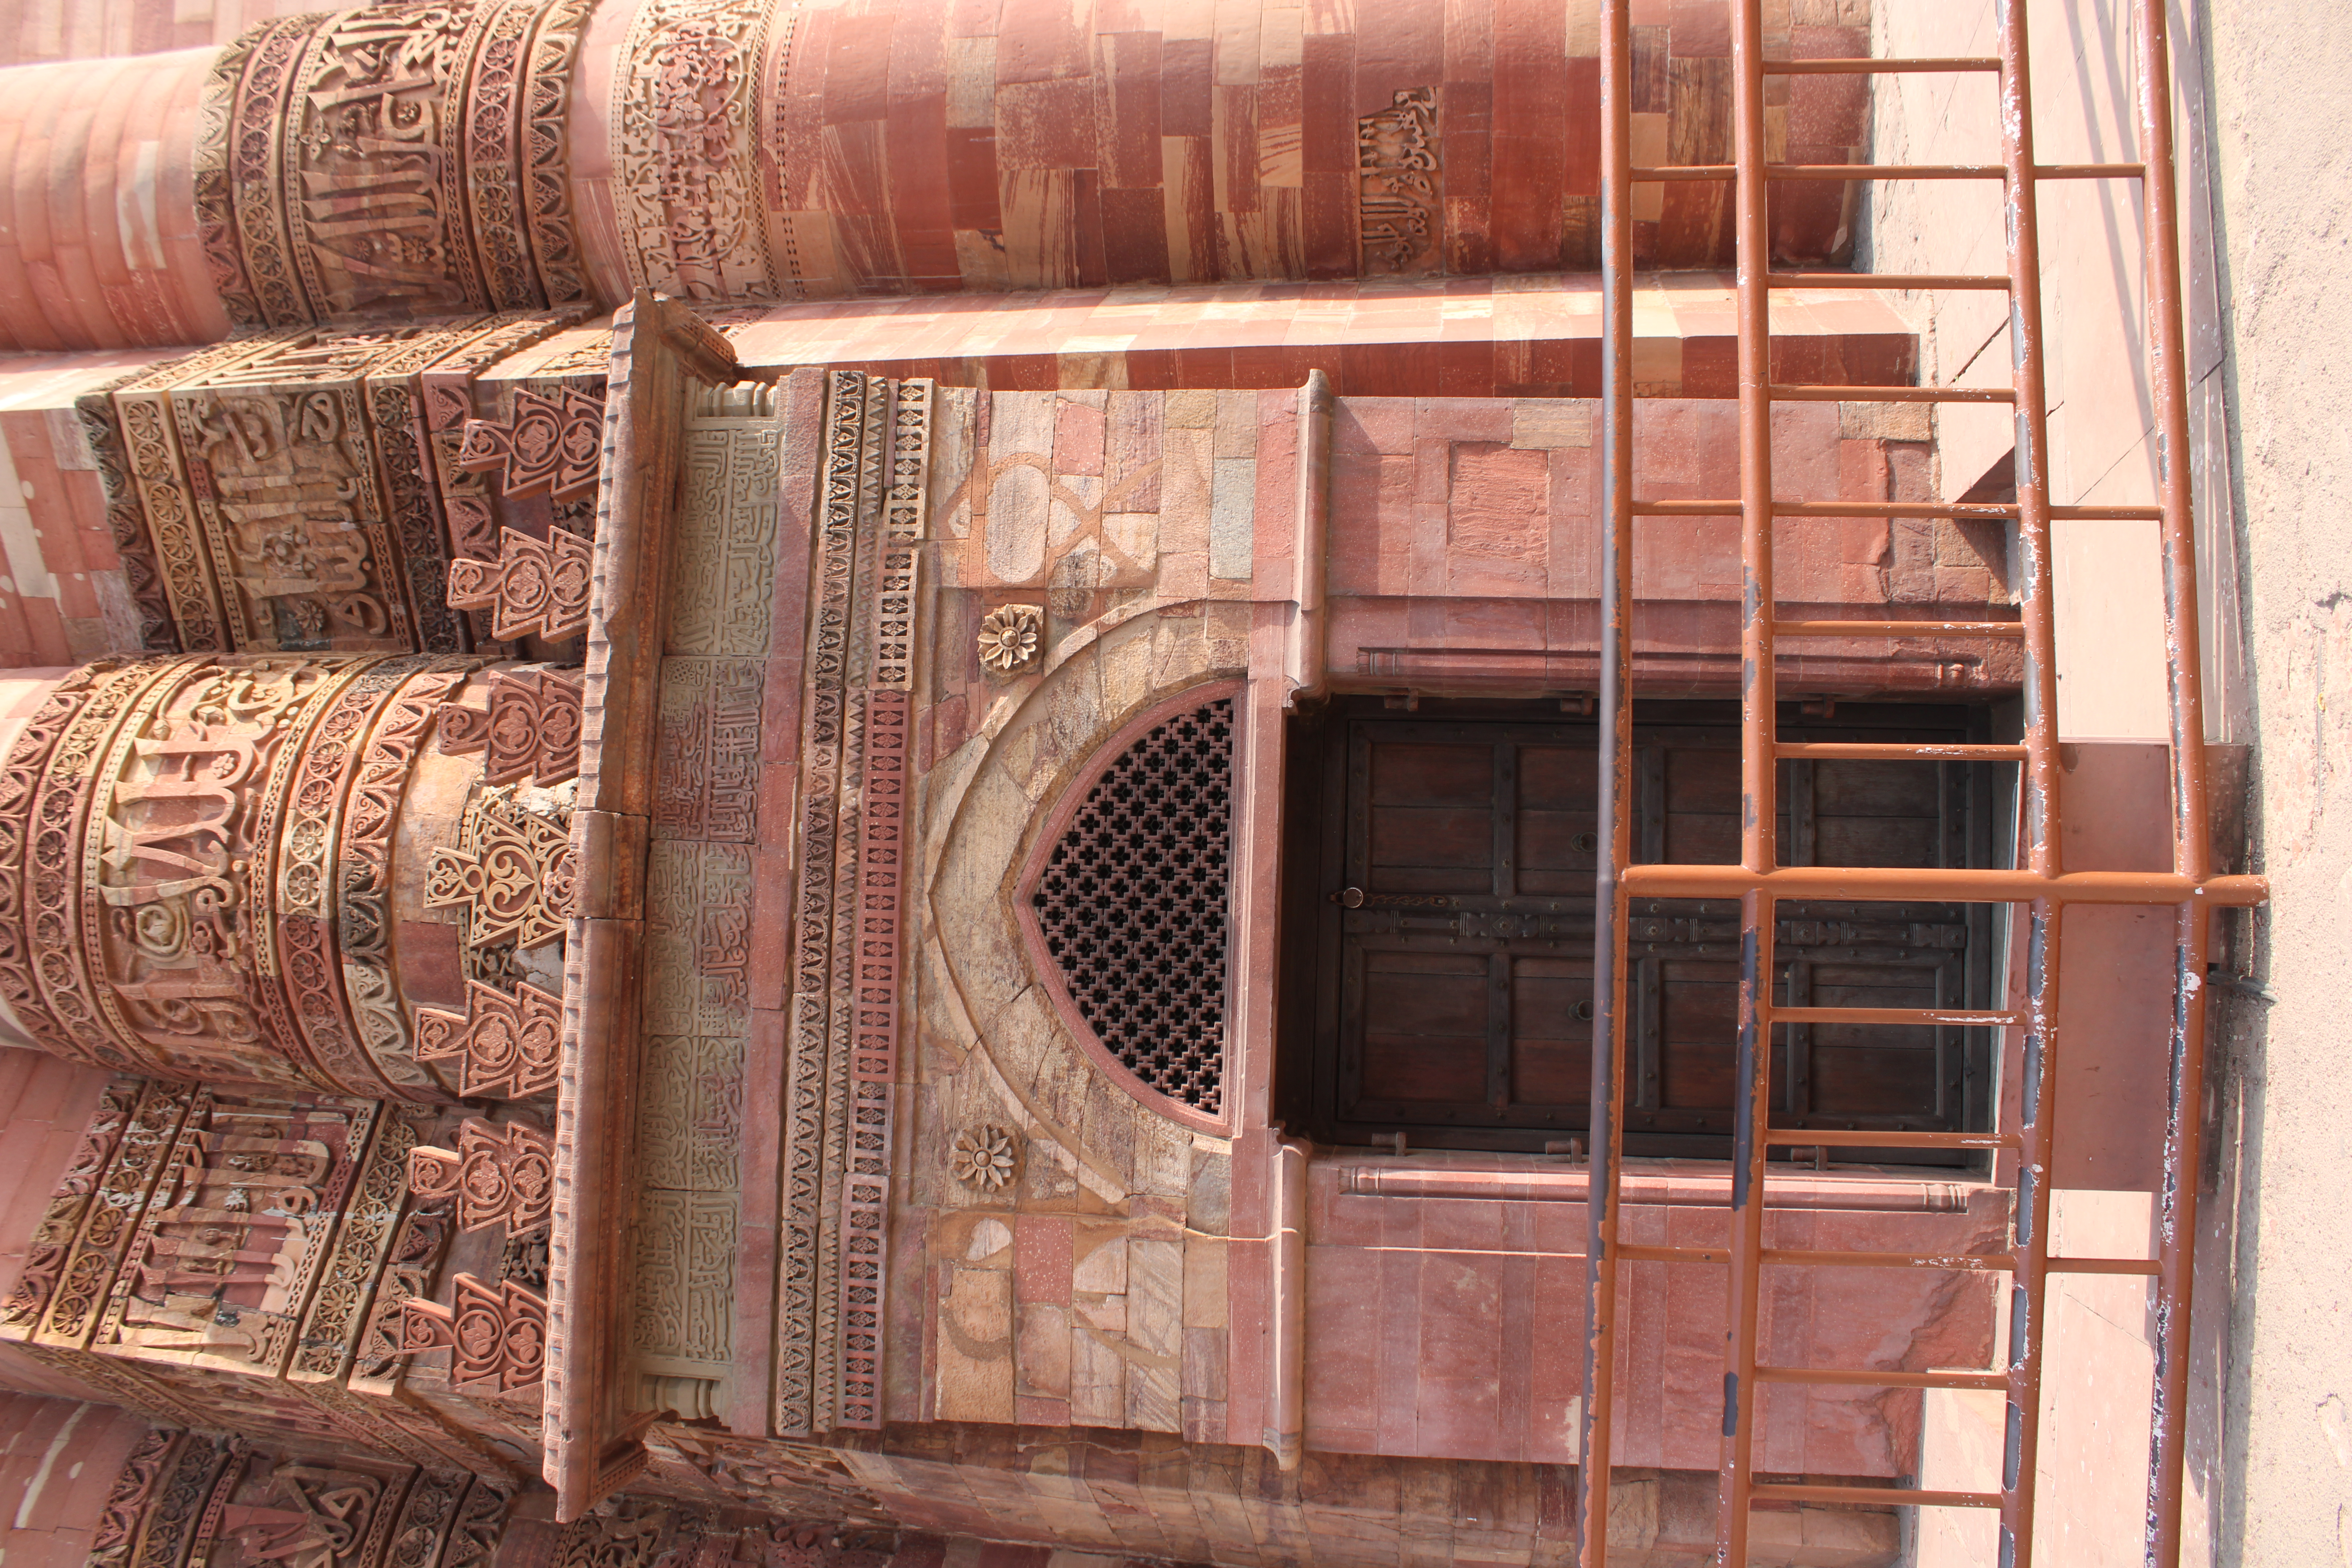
{"x":2022,"y":1141}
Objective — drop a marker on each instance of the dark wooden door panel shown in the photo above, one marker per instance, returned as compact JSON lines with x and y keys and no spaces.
{"x":1458,"y":916}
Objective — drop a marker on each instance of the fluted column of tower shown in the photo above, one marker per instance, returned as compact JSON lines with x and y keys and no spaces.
{"x":433,"y":160}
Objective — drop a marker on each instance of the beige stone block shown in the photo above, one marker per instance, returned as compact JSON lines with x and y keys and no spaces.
{"x":1042,"y":1363}
{"x":954,"y":411}
{"x":1123,"y":661}
{"x":1204,"y":1282}
{"x":1164,"y":1158}
{"x":1019,"y":507}
{"x":1189,"y":410}
{"x":1544,"y":423}
{"x":1186,"y":488}
{"x":1886,"y":421}
{"x":971,"y":83}
{"x":1650,"y":137}
{"x":1236,"y":427}
{"x":1098,"y":1260}
{"x":1097,"y":1381}
{"x":975,"y":1349}
{"x":1107,"y":1313}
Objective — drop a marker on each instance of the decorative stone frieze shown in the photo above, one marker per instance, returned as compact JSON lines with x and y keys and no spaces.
{"x":531,"y":729}
{"x":1401,"y":194}
{"x":496,"y":1335}
{"x":284,"y":492}
{"x":984,"y":1158}
{"x":403,"y":160}
{"x":506,"y":1046}
{"x":193,"y":868}
{"x":536,"y":587}
{"x":550,"y":448}
{"x":500,"y":1175}
{"x":840,"y":1083}
{"x":508,"y":875}
{"x":184,"y":1500}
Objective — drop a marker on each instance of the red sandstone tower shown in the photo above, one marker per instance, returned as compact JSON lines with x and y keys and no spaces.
{"x":816,"y":783}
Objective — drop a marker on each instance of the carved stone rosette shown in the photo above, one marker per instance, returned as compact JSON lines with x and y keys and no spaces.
{"x":399,"y":160}
{"x":194,"y":858}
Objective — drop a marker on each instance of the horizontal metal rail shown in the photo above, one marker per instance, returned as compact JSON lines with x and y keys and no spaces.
{"x":1895,"y":751}
{"x":1946,"y":1016}
{"x":1675,"y":174}
{"x":1944,"y":884}
{"x":1870,"y":1496}
{"x":1983,"y":512}
{"x":1836,"y":1257}
{"x":1892,"y":393}
{"x":1863,"y":1377}
{"x":2006,"y":630}
{"x":1880,"y":68}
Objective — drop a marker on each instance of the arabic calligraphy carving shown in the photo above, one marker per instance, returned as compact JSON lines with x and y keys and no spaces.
{"x":1398,"y":196}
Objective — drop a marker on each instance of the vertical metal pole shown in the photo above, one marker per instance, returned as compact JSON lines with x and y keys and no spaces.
{"x":2033,"y":456}
{"x":1757,"y":775}
{"x":2037,"y":1119}
{"x":2167,"y":364}
{"x":1758,"y":779}
{"x":1616,"y":762}
{"x":2192,"y":850}
{"x":2037,"y":1128}
{"x":1736,"y":1476}
{"x":2177,"y":1236}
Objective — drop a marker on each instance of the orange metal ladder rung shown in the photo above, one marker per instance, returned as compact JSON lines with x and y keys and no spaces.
{"x":1675,"y":174}
{"x":2004,"y":629}
{"x":1879,"y":67}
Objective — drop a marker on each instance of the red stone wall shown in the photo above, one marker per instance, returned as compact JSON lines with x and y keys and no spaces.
{"x":48,"y":1102}
{"x":58,"y":1458}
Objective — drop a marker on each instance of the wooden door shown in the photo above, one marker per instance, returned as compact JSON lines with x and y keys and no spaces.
{"x":1465,"y":926}
{"x":1453,"y":970}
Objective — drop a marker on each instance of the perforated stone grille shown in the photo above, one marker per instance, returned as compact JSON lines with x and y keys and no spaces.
{"x":1134,"y":905}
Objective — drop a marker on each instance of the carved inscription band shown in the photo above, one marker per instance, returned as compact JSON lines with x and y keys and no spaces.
{"x":840,"y":1087}
{"x":401,"y":159}
{"x":187,"y":845}
{"x":285,"y":491}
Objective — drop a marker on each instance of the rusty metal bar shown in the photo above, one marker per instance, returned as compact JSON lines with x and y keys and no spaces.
{"x":1904,"y":1016}
{"x":2041,"y":883}
{"x":1950,"y":884}
{"x":1863,"y":1377}
{"x":2037,"y":1119}
{"x":1758,"y":781}
{"x":2007,"y":630}
{"x":1854,"y":281}
{"x":1721,"y":174}
{"x":1902,"y":1497}
{"x":1614,"y":822}
{"x":1865,"y":1138}
{"x":1986,"y":511}
{"x":2193,"y":851}
{"x":1898,"y":751}
{"x":1879,"y":67}
{"x":1893,"y":394}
